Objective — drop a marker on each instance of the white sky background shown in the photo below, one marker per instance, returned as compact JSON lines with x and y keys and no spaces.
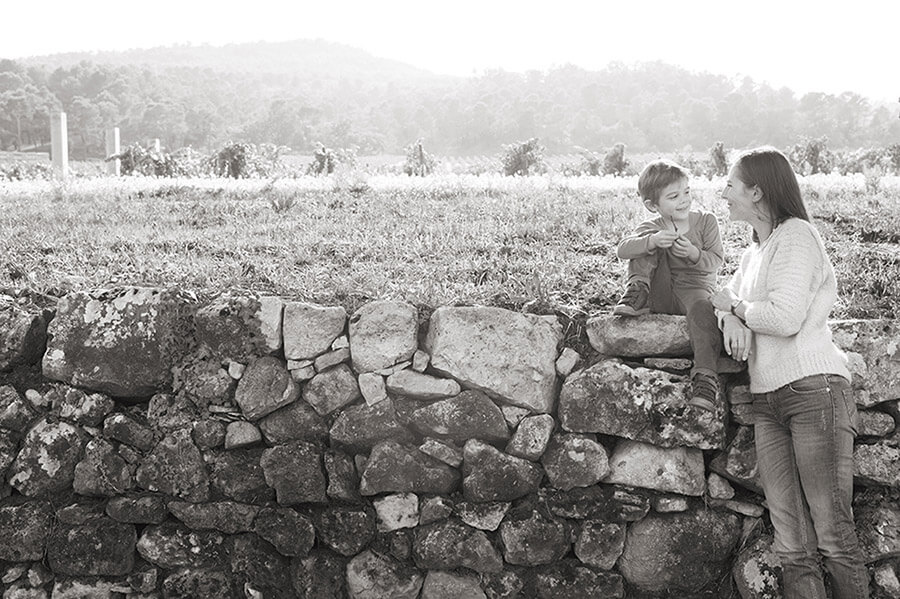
{"x":807,"y":46}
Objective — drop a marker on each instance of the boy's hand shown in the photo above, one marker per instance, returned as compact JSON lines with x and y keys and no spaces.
{"x":663,"y":239}
{"x":683,"y":248}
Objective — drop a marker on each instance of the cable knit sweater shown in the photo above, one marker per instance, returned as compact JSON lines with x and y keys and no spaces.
{"x":788,"y":284}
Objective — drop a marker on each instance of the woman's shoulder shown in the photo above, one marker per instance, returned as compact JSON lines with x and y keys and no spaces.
{"x":798,"y":228}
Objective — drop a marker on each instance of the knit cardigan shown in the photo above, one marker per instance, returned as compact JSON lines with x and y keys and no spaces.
{"x":788,"y":284}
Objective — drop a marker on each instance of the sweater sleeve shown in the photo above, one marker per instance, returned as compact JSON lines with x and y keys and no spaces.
{"x":711,"y":252}
{"x":734,"y":284}
{"x":796,"y":262}
{"x":636,"y":244}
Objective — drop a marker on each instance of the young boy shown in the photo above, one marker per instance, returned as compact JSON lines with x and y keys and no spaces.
{"x":672,"y":264}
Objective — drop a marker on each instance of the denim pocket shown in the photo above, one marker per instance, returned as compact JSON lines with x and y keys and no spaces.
{"x":816,"y":383}
{"x":852,"y":410}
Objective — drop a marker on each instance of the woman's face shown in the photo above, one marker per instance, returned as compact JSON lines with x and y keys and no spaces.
{"x":741,"y":199}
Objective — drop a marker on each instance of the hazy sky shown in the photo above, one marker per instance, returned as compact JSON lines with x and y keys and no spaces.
{"x":847,"y":46}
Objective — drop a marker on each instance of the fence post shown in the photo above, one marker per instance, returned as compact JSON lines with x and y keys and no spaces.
{"x":156,"y":146}
{"x":113,"y":167}
{"x":59,"y":145}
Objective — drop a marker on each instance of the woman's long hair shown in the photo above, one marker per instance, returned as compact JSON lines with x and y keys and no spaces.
{"x":770,"y":171}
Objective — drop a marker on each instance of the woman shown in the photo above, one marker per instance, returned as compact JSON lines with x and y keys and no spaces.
{"x":773,"y":313}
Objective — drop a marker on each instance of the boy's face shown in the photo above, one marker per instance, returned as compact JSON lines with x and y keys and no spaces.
{"x":674,"y":201}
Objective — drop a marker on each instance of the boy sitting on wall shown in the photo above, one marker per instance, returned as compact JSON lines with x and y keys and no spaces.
{"x":673,"y":259}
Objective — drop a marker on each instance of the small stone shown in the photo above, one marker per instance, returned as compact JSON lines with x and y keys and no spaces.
{"x":514,"y":414}
{"x":400,"y":510}
{"x":36,"y":399}
{"x":388,"y":371}
{"x":445,"y":452}
{"x":303,"y":374}
{"x":668,"y":504}
{"x":298,"y":364}
{"x":340,"y":342}
{"x":567,"y":361}
{"x":332,"y":358}
{"x":372,"y":387}
{"x":744,"y":508}
{"x":420,"y":360}
{"x":241,"y":433}
{"x":531,"y":437}
{"x":718,"y":487}
{"x":236,"y":370}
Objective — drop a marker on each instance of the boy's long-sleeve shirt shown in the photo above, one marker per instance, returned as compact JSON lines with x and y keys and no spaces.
{"x":703,"y":233}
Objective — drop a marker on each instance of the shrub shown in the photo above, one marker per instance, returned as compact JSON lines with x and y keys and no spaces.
{"x":615,"y":163}
{"x":326,"y":160}
{"x":812,"y":156}
{"x":718,"y":160}
{"x":590,"y":164}
{"x":22,"y":171}
{"x":523,"y":158}
{"x":418,"y":161}
{"x":246,"y":160}
{"x":138,"y":160}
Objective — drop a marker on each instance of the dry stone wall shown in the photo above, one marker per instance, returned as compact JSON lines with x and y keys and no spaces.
{"x":152,"y":445}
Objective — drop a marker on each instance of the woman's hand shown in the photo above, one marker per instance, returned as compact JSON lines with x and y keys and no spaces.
{"x":723,"y":299}
{"x":737,"y":337}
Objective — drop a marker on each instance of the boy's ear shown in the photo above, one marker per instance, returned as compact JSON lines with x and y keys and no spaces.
{"x":650,"y":205}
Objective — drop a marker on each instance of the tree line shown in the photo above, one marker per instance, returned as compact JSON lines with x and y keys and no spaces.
{"x":646,"y":106}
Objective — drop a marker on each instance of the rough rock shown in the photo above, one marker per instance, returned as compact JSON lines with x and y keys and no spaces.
{"x":102,"y":472}
{"x":169,"y":413}
{"x":676,"y":470}
{"x":508,"y":355}
{"x":202,"y":380}
{"x":332,"y":389}
{"x":266,"y":386}
{"x":297,"y":421}
{"x":137,"y":509}
{"x":447,"y":585}
{"x":599,"y":543}
{"x":256,"y":565}
{"x":47,"y":459}
{"x":531,"y":437}
{"x":757,"y":571}
{"x":197,"y":583}
{"x":445,"y":451}
{"x":878,"y":342}
{"x":567,"y":361}
{"x":23,"y":329}
{"x":737,"y":462}
{"x":16,"y":412}
{"x":877,"y":464}
{"x":123,"y":342}
{"x":240,"y":327}
{"x":679,"y":552}
{"x":320,"y":575}
{"x":292,"y":534}
{"x":434,"y":508}
{"x":79,"y":407}
{"x":309,"y":329}
{"x":450,"y":544}
{"x":875,"y":424}
{"x":637,"y":403}
{"x":382,"y":333}
{"x":343,"y":480}
{"x":359,"y":428}
{"x":568,"y":578}
{"x":483,"y":516}
{"x":295,"y":472}
{"x":208,"y":434}
{"x":491,"y":475}
{"x":175,"y":467}
{"x":397,"y":511}
{"x":99,"y":547}
{"x":241,"y":433}
{"x":373,"y":576}
{"x":573,"y":460}
{"x":226,"y":516}
{"x":397,"y":468}
{"x":534,"y":539}
{"x":344,"y":529}
{"x":171,"y":545}
{"x":25,"y":525}
{"x":372,"y":387}
{"x":130,"y":430}
{"x":469,"y":415}
{"x":238,"y":474}
{"x":421,"y":386}
{"x":72,"y":588}
{"x":331,"y":359}
{"x":663,"y":335}
{"x":878,"y":527}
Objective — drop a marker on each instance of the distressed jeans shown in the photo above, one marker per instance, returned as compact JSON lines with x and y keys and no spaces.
{"x":804,"y":448}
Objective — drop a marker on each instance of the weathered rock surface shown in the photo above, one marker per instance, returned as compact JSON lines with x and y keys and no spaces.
{"x":102,"y":472}
{"x":382,"y":333}
{"x":469,"y":415}
{"x":238,"y":474}
{"x":79,"y":407}
{"x":138,"y":509}
{"x":531,"y":437}
{"x":757,"y":571}
{"x":171,"y":545}
{"x":450,"y":544}
{"x":297,"y":421}
{"x":491,"y":475}
{"x":483,"y":516}
{"x":568,"y":579}
{"x":226,"y":516}
{"x":359,"y":428}
{"x":309,"y":329}
{"x":676,"y":470}
{"x":332,"y":389}
{"x":99,"y":547}
{"x":508,"y":355}
{"x":198,"y":583}
{"x":130,"y":430}
{"x":637,"y":403}
{"x":421,"y":386}
{"x":534,"y":539}
{"x":877,"y":464}
{"x":23,"y":330}
{"x":737,"y":462}
{"x":878,"y":527}
{"x":240,"y":327}
{"x":600,"y":502}
{"x":16,"y":412}
{"x":373,"y":576}
{"x":345,"y":530}
{"x":46,"y":462}
{"x":265,"y":387}
{"x":442,"y":585}
{"x":599,"y":543}
{"x":295,"y":472}
{"x":292,"y":534}
{"x":123,"y":342}
{"x":397,"y":468}
{"x":663,"y":335}
{"x":878,"y":342}
{"x":175,"y":467}
{"x":573,"y":460}
{"x":256,"y":565}
{"x":25,"y":526}
{"x":679,"y":552}
{"x":320,"y":575}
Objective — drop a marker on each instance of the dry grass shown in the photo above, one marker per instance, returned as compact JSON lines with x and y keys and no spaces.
{"x":542,"y":243}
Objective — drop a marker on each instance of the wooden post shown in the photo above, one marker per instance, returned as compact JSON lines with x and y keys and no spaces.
{"x":113,"y":167}
{"x":59,"y":145}
{"x":156,"y":147}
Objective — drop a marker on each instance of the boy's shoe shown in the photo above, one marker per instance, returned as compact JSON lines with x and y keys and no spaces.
{"x":635,"y":301}
{"x":704,"y":391}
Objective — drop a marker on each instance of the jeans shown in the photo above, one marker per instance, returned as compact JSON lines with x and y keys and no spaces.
{"x":693,"y":302}
{"x":804,"y":448}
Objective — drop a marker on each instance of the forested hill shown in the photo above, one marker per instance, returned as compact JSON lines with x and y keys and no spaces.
{"x":303,"y":92}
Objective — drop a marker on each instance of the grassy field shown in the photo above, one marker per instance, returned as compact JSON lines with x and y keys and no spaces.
{"x":543,"y":244}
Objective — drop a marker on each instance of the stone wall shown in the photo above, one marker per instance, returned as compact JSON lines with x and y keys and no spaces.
{"x":153,"y":445}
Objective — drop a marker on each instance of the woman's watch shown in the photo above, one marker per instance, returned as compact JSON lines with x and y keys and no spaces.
{"x":734,"y":305}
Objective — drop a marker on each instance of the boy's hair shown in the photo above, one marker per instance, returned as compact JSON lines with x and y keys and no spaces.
{"x":656,"y":176}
